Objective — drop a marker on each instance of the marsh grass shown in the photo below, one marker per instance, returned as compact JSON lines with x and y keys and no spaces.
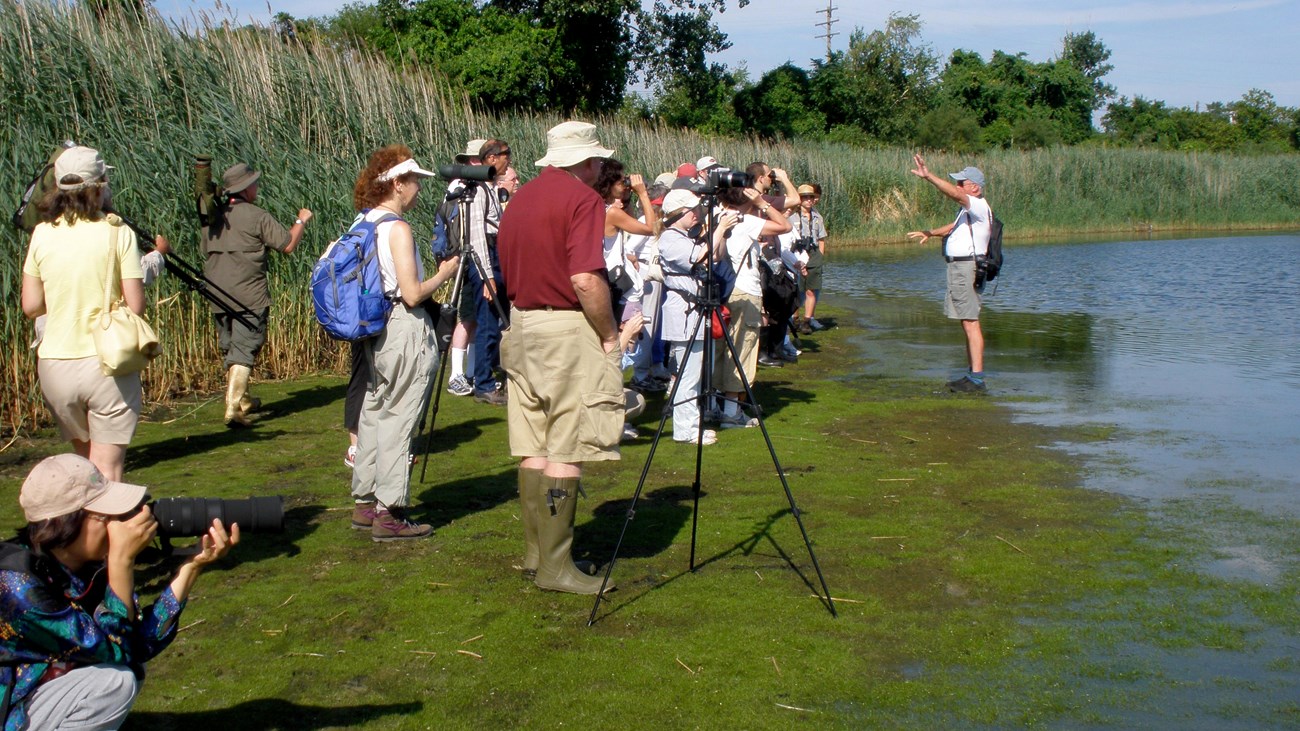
{"x":151,"y":96}
{"x":978,"y":586}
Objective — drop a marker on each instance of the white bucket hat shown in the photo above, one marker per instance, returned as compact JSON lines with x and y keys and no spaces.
{"x":570,"y":143}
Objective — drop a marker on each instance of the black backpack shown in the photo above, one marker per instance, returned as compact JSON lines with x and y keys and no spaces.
{"x":991,"y":263}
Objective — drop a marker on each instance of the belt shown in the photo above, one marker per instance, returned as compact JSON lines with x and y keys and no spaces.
{"x":548,"y":308}
{"x":951,"y":259}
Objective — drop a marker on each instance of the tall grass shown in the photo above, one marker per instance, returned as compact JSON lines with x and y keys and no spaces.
{"x":151,"y":96}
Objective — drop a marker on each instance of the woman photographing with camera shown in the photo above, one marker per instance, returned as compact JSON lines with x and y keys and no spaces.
{"x":73,"y":639}
{"x":680,"y":255}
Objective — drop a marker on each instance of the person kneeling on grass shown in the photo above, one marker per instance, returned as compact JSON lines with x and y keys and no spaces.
{"x":73,"y":640}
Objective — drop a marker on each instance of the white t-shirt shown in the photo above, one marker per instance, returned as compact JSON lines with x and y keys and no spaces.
{"x":744,"y":238}
{"x":978,"y":215}
{"x":387,"y":270}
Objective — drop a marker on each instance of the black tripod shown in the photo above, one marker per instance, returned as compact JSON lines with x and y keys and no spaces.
{"x":708,"y":306}
{"x":434,"y":397}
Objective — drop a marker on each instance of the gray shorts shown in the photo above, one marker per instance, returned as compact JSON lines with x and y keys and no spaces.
{"x":962,"y":302}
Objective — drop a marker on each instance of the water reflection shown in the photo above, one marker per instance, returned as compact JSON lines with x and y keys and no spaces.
{"x":1190,"y":347}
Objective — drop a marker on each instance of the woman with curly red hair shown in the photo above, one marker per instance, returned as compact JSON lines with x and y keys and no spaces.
{"x":402,"y":358}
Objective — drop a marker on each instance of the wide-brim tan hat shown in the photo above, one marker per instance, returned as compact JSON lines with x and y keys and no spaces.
{"x":570,"y":143}
{"x":238,"y":176}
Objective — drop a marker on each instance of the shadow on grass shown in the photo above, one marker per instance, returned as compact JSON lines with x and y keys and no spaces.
{"x":445,"y":438}
{"x":447,"y":502}
{"x":660,"y":515}
{"x":141,"y":456}
{"x":268,"y":714}
{"x":762,"y":533}
{"x":303,"y":399}
{"x":775,"y":395}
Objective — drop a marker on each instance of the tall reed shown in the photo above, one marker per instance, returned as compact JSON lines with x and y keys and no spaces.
{"x":151,"y":96}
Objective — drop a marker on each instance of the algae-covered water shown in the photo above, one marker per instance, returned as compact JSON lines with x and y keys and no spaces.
{"x":1180,"y":359}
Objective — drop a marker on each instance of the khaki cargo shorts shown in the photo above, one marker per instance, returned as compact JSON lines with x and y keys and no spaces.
{"x":566,"y":394}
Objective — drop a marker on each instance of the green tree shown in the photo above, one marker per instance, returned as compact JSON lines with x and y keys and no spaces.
{"x":882,"y":84}
{"x":1086,"y":52}
{"x":1262,"y":122}
{"x":779,"y":105}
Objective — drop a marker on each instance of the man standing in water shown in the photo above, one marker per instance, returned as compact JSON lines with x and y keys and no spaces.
{"x":964,"y":239}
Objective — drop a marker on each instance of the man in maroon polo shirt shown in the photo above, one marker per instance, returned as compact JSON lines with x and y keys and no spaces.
{"x":561,"y":352}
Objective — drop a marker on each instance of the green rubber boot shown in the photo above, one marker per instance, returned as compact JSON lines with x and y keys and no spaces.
{"x":556,"y":571}
{"x":530,"y":494}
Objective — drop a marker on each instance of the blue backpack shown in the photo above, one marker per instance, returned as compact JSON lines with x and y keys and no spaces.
{"x":346,"y":288}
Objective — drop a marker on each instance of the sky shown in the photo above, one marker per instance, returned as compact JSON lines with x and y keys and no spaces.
{"x":1182,"y":52}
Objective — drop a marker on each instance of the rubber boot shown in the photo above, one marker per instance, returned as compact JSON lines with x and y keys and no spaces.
{"x":556,"y":571}
{"x":530,"y":494}
{"x":249,"y":403}
{"x":236,"y":387}
{"x":532,"y":503}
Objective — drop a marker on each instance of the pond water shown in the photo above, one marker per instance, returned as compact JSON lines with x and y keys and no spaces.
{"x":1189,"y":349}
{"x":1186,"y":352}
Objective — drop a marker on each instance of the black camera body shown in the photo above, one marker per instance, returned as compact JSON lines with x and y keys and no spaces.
{"x":721,"y":178}
{"x":803,"y":244}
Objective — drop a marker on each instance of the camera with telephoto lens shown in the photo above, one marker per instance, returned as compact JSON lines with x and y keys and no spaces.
{"x":720,"y":178}
{"x":477,"y":173}
{"x":181,"y":517}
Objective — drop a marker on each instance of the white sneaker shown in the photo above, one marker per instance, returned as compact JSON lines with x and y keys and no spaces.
{"x":710,"y":437}
{"x":739,"y":421}
{"x":630,"y":432}
{"x":458,"y":385}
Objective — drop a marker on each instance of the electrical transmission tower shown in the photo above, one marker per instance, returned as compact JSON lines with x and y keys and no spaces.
{"x":830,"y":21}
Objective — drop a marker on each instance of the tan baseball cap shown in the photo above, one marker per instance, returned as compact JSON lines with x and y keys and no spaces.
{"x":66,"y":483}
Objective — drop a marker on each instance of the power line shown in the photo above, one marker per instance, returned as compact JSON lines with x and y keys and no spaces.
{"x":830,"y":21}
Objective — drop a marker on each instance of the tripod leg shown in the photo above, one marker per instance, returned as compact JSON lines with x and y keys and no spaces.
{"x":436,"y":388}
{"x":780,"y":473}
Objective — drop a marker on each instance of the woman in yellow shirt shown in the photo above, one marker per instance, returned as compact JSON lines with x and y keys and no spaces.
{"x":63,"y":278}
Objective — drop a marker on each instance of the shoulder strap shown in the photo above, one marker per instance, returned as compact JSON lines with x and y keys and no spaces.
{"x":115,"y":227}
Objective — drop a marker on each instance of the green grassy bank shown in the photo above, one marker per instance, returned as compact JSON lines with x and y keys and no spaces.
{"x":152,"y":96}
{"x":977,"y":585}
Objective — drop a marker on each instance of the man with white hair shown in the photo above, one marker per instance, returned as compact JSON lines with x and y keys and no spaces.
{"x":964,"y":239}
{"x":561,"y":352}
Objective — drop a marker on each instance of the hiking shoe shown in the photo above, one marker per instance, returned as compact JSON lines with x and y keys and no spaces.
{"x":496,"y":398}
{"x":350,"y":459}
{"x":363,"y":515}
{"x":739,"y":421}
{"x":770,"y":362}
{"x":710,"y":437}
{"x":804,"y":328}
{"x":390,"y":526}
{"x":814,"y":325}
{"x":966,"y":385}
{"x":630,"y":432}
{"x":649,"y":385}
{"x":459,"y":385}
